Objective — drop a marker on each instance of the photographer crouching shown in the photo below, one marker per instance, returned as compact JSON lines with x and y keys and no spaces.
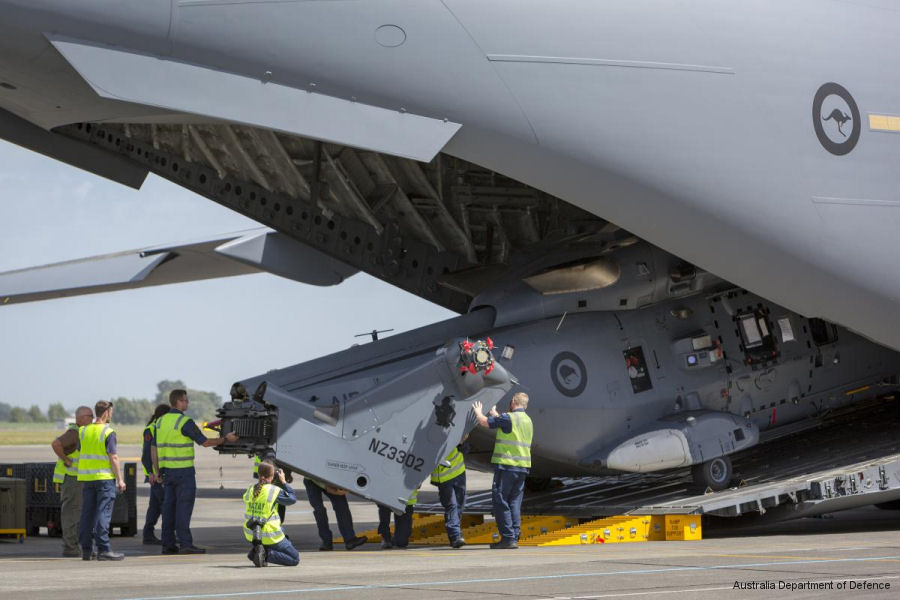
{"x":262,"y":525}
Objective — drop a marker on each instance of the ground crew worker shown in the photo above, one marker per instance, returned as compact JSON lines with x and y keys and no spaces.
{"x":338,"y":496}
{"x":512,"y":457}
{"x":154,"y":505}
{"x":450,"y":478}
{"x":402,"y":524}
{"x":98,"y":468}
{"x":66,"y":474}
{"x":282,"y":509}
{"x":260,"y":510}
{"x":172,"y":452}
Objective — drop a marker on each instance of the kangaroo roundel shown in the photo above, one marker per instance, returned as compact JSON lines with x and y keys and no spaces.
{"x":836,"y":119}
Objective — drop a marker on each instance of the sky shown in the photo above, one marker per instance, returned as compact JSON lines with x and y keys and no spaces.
{"x":208,"y":333}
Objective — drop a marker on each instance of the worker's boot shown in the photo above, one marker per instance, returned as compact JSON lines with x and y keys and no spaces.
{"x":258,"y":555}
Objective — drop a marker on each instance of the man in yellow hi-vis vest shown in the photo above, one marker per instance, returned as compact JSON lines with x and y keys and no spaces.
{"x":98,"y":468}
{"x":66,"y":474}
{"x":172,"y":453}
{"x":450,"y":478}
{"x":512,"y":457}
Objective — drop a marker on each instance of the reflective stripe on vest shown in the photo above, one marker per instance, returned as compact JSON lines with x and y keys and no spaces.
{"x":61,"y":470}
{"x":263,"y":506}
{"x":174,"y":450}
{"x":413,"y":498}
{"x":93,"y":461}
{"x":514,"y":448}
{"x":456,"y":468}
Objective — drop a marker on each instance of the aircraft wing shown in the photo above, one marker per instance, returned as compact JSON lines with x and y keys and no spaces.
{"x":242,"y":253}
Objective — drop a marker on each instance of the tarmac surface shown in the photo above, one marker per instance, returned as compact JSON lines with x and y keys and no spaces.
{"x":855,"y":553}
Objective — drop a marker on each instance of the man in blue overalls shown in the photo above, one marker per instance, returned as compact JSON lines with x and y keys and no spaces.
{"x":172,"y":451}
{"x":512,"y":457}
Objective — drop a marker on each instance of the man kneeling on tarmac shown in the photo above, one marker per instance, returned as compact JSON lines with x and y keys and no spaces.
{"x":262,"y":525}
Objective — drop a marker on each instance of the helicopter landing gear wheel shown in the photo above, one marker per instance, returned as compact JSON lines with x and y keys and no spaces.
{"x":713,"y":474}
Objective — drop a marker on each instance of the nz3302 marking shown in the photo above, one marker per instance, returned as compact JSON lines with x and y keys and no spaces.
{"x":398,"y":456}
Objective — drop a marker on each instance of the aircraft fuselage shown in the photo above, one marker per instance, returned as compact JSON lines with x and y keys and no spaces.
{"x":752,"y":139}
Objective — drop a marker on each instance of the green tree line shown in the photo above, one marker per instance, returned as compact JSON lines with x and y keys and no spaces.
{"x":202,"y":407}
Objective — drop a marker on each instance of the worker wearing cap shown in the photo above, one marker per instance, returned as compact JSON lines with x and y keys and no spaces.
{"x":66,"y":474}
{"x":98,"y":468}
{"x":512,"y":460}
{"x":172,"y":451}
{"x":450,"y":478}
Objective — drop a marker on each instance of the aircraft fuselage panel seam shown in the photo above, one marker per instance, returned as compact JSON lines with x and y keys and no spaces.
{"x":604,"y":62}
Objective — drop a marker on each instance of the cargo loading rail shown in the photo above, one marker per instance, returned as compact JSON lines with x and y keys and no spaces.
{"x":848,"y":459}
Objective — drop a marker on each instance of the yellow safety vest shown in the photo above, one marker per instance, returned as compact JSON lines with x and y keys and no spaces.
{"x":61,"y":470}
{"x":514,"y":448}
{"x":93,"y":461}
{"x":265,"y":507}
{"x":256,"y":461}
{"x":174,"y":450}
{"x":413,"y":498}
{"x":457,"y":467}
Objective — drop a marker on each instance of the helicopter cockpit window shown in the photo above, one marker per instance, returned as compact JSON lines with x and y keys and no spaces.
{"x":822,"y":332}
{"x":787,"y":330}
{"x":750,"y":331}
{"x":756,"y":337}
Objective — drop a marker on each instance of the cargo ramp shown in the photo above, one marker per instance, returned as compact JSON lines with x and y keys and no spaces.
{"x":846,"y":459}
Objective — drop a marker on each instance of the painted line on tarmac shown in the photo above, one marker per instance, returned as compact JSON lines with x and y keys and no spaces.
{"x":711,"y":589}
{"x":345,"y":588}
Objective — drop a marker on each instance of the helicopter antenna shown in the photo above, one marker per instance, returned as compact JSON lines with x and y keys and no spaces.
{"x":374,"y":333}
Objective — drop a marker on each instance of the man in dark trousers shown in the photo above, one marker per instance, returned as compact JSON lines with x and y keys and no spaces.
{"x":154,"y":505}
{"x":450,"y":478}
{"x":172,"y":452}
{"x":314,"y":492}
{"x":402,"y":524}
{"x":98,"y":468}
{"x":512,"y":460}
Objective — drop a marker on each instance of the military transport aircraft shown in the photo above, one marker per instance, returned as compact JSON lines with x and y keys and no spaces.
{"x":592,"y":184}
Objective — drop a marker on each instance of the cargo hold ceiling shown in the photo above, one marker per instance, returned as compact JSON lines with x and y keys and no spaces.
{"x":406,"y":222}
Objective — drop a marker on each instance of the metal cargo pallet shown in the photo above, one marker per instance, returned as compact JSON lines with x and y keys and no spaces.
{"x":847,"y":459}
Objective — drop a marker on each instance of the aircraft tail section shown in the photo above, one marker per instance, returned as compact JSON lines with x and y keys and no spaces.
{"x":382,"y":443}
